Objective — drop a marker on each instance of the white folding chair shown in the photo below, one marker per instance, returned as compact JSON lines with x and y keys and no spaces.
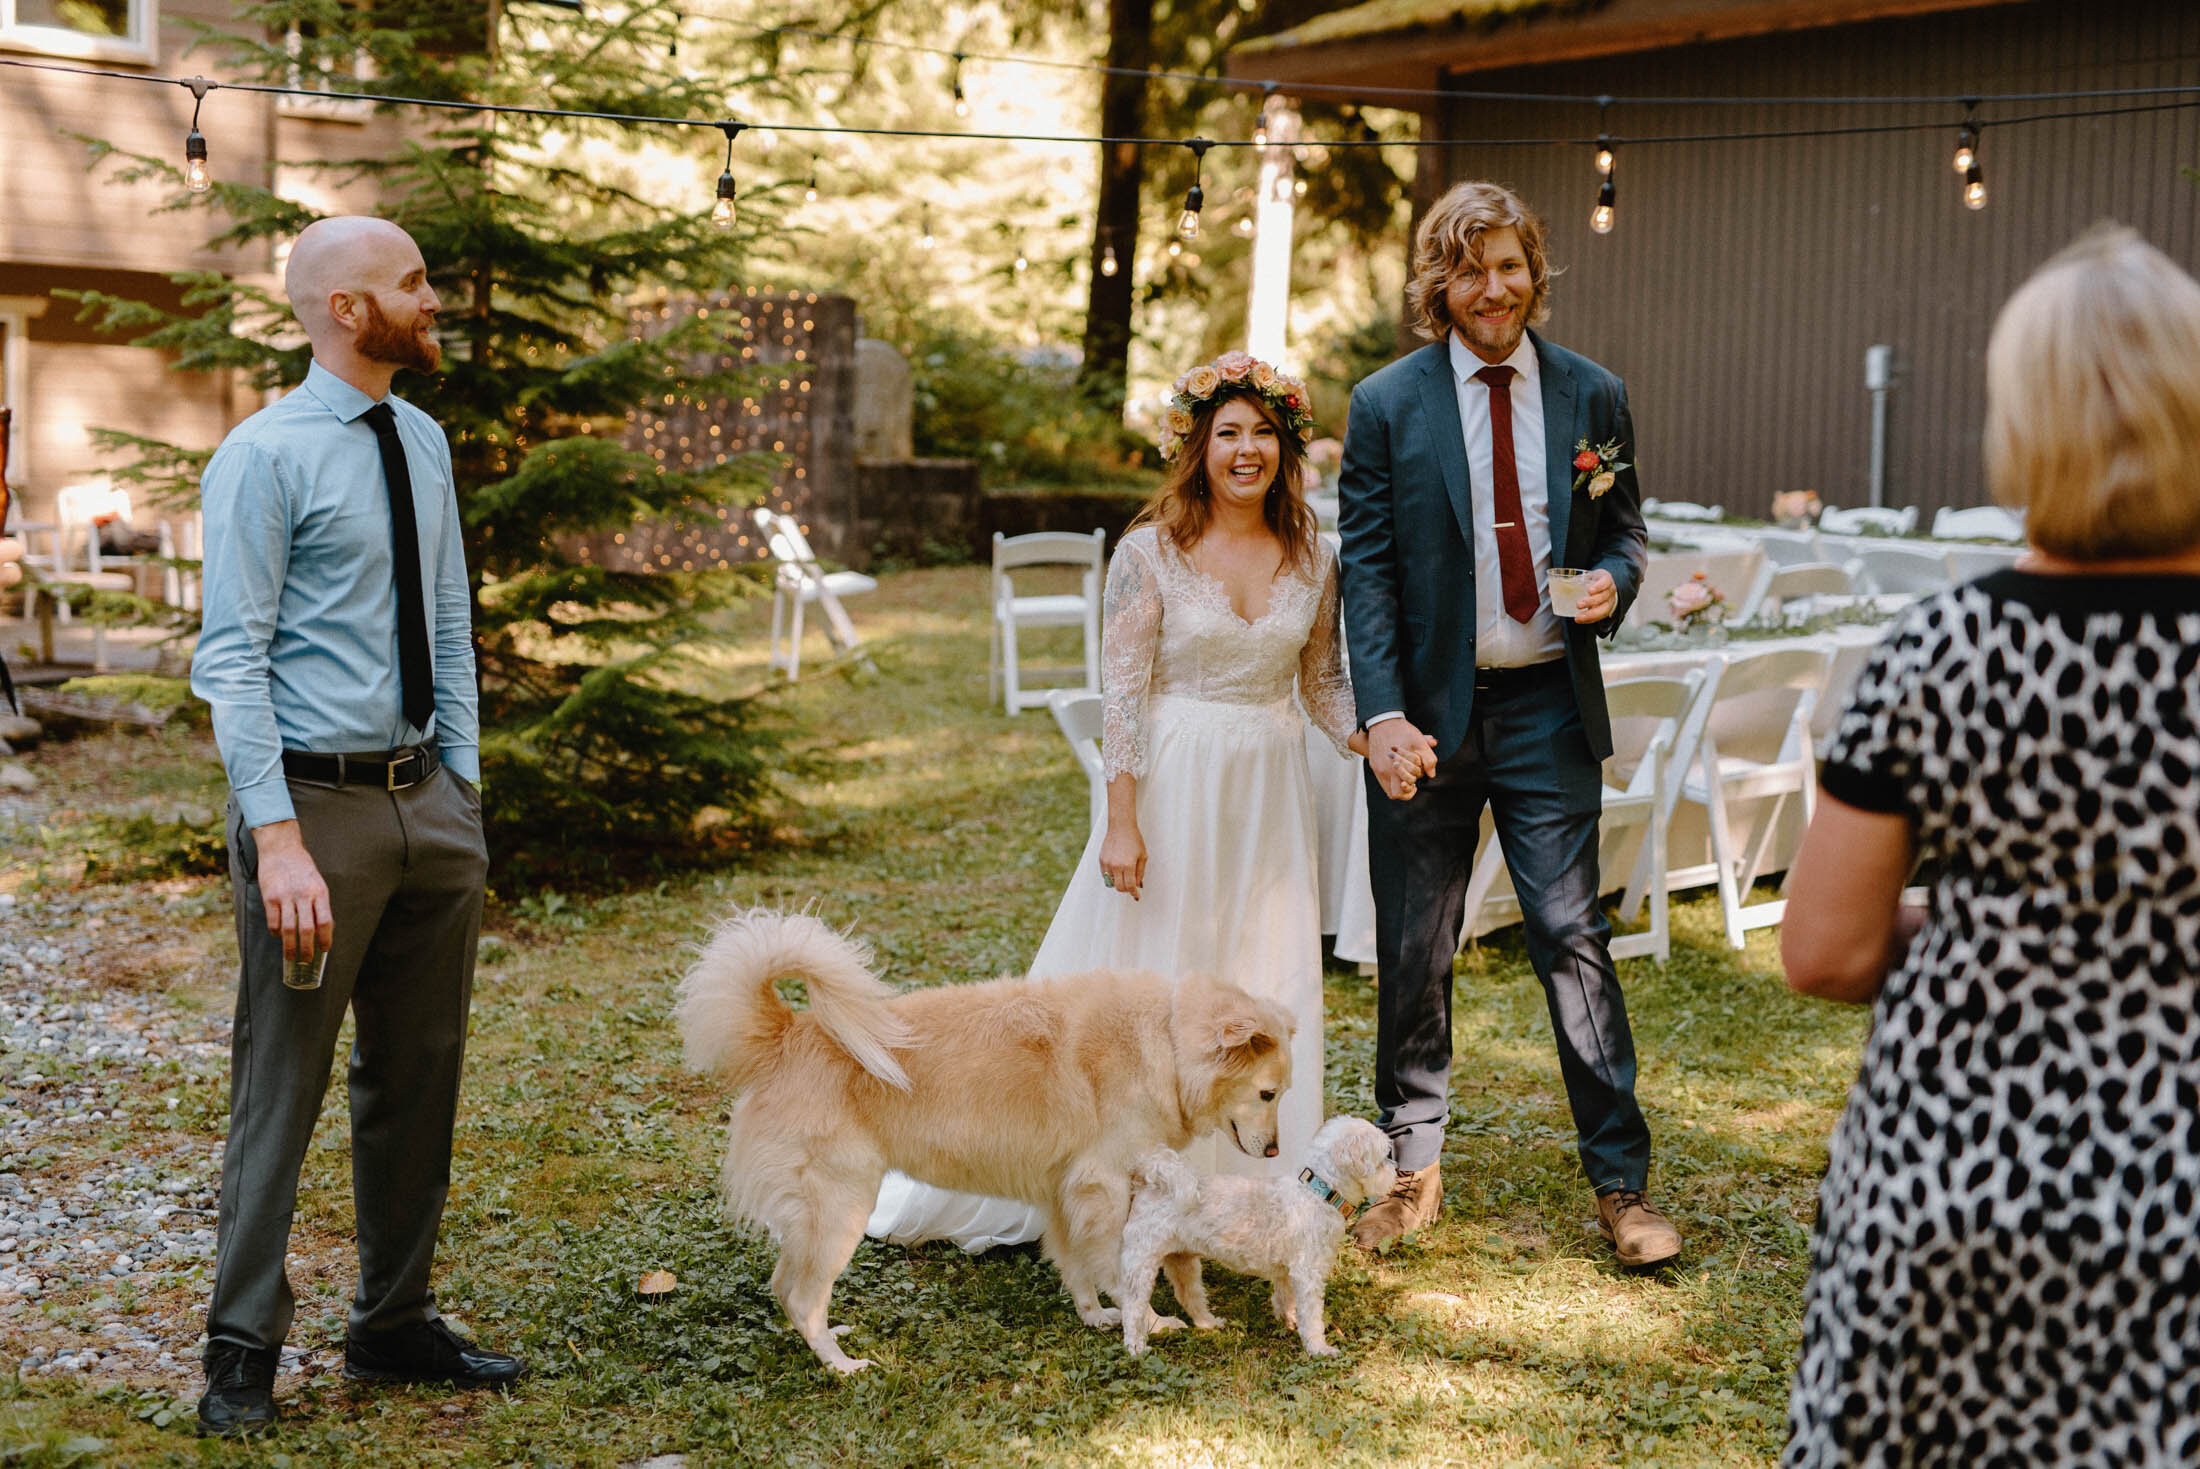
{"x":1867,"y":520}
{"x":1899,"y":570}
{"x":1795,"y":591}
{"x":1683,"y":510}
{"x":78,"y":511}
{"x":1078,"y":714}
{"x":1969,"y":563}
{"x":1787,"y":547}
{"x":799,"y":582}
{"x":1740,"y":575}
{"x":1725,"y":779}
{"x":182,"y":538}
{"x":1978,"y":523}
{"x":1012,"y":613}
{"x":1638,"y":810}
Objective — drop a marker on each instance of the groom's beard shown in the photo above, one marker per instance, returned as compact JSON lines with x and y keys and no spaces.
{"x":1496,"y":342}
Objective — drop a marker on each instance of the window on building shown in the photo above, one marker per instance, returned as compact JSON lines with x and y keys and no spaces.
{"x":118,"y":30}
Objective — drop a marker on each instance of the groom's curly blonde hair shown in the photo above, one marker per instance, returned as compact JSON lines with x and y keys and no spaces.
{"x":1449,"y":245}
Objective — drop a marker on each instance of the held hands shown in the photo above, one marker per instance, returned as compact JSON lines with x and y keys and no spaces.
{"x":1400,"y":755}
{"x":1123,"y":859}
{"x":296,"y":898}
{"x":1599,"y":598}
{"x":11,"y":551}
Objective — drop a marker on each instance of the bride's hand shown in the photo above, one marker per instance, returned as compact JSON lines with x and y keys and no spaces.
{"x":1123,"y":859}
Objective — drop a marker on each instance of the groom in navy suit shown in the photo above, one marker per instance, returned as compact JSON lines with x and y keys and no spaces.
{"x":1471,"y":468}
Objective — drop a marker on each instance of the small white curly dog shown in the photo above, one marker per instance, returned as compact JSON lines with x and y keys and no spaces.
{"x":1285,"y":1230}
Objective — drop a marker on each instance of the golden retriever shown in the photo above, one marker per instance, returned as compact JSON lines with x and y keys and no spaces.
{"x":1047,"y":1091}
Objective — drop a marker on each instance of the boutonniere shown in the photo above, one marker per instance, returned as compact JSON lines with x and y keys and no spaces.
{"x":1595,"y":470}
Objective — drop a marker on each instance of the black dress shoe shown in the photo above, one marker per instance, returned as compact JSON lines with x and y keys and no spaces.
{"x":240,"y":1391}
{"x":428,"y":1351}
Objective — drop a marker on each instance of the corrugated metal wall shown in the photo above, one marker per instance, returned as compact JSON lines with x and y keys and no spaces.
{"x":1744,"y":281}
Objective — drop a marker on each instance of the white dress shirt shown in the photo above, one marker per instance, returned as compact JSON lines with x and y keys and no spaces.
{"x":1500,"y":642}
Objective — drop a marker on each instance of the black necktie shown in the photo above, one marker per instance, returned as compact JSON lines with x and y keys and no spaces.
{"x":415,"y":672}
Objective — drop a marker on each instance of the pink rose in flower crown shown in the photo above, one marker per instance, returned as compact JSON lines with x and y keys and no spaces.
{"x":1179,"y":421}
{"x":1265,"y":377}
{"x":1202,"y":381}
{"x":1235,"y":364}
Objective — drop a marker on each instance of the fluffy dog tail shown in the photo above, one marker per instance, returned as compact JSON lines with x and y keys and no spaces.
{"x":731,"y":1016}
{"x":1163,"y":1175}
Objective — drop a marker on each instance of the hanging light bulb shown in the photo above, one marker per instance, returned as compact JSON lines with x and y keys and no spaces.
{"x":1244,"y":225}
{"x":721,"y":213}
{"x":1604,"y":154}
{"x":195,"y":176}
{"x":924,"y":224}
{"x":1108,"y":265}
{"x":1023,"y":261}
{"x":1298,"y":187}
{"x":1176,"y":248}
{"x":1195,"y":198}
{"x":1600,"y":218}
{"x":809,"y":191}
{"x":962,"y":103}
{"x":1974,"y":187}
{"x":1966,"y":149}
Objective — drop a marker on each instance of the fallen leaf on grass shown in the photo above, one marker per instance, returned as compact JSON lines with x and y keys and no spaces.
{"x":657,"y":1282}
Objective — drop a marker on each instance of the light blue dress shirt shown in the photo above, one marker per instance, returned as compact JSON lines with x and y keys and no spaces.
{"x":298,"y":648}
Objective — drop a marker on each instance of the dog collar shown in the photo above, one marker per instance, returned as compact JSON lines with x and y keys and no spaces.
{"x":1326,"y":1191}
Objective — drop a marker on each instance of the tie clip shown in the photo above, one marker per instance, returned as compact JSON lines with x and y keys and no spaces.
{"x":1502,"y":525}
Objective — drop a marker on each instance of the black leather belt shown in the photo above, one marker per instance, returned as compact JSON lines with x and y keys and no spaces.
{"x":392,"y":770}
{"x":1504,"y":680}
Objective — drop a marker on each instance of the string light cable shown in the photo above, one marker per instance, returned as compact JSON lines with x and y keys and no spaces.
{"x":198,"y":178}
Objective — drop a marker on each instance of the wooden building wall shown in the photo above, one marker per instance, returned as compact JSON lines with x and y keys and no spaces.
{"x":64,"y":223}
{"x":1744,"y":281}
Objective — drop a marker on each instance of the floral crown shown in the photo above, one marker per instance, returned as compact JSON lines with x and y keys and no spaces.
{"x":1285,"y":395}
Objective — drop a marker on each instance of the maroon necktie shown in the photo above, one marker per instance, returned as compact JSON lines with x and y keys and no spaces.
{"x":1515,"y":564}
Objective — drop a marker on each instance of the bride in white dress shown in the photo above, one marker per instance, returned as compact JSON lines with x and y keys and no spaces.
{"x":1219,"y":599}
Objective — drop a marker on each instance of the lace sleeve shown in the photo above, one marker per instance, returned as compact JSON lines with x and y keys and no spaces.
{"x":1127,"y":646}
{"x":1325,"y":688}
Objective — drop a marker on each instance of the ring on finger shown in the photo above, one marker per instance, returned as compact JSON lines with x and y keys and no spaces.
{"x":1107,"y":880}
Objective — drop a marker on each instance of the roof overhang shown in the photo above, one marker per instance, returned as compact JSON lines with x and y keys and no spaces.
{"x":1417,"y":43}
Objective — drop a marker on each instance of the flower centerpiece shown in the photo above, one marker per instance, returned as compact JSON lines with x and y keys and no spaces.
{"x":1796,"y":509}
{"x":1695,"y":604}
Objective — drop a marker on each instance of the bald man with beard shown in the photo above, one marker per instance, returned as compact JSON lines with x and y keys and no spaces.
{"x":337,"y":657}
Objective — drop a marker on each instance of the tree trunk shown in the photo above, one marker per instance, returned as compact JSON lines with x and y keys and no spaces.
{"x":1106,"y":371}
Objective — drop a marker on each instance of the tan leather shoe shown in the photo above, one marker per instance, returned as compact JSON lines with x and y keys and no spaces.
{"x":1413,"y":1203}
{"x":1640,"y":1235}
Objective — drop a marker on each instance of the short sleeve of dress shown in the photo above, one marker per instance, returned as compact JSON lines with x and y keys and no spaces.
{"x":1128,"y":642}
{"x":1875,"y":757}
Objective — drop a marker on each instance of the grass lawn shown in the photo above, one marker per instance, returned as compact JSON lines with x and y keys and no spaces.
{"x":942,"y":832}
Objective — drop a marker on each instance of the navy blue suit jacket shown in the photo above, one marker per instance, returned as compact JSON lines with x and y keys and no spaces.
{"x":1407,"y":568}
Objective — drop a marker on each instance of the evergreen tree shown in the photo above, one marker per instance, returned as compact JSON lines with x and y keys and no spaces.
{"x":595,"y":748}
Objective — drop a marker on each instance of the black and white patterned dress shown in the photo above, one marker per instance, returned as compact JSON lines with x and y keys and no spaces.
{"x":2006,"y":1266}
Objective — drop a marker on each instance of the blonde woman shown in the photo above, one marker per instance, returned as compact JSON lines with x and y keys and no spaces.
{"x":2005,"y":1268}
{"x":1222,"y":622}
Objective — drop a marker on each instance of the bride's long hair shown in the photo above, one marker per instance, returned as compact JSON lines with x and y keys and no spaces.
{"x":1182,"y":510}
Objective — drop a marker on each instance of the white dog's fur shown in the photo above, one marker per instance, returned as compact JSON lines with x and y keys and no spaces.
{"x":1276,"y":1228}
{"x":1040,"y":1090}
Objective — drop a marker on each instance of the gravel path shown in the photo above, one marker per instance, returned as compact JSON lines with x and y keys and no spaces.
{"x":107,"y":1173}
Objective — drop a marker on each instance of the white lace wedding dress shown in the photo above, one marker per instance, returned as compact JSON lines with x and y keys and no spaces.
{"x":1198,"y":705}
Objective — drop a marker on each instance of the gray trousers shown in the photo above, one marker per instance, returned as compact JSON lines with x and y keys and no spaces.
{"x":405,"y":871}
{"x":1527,"y":758}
